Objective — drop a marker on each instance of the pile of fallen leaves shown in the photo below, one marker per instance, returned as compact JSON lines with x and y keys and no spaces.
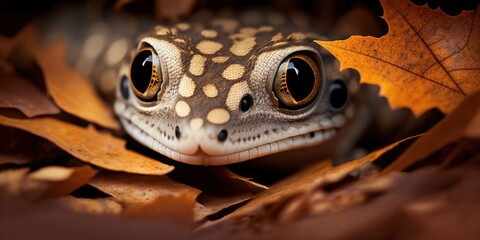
{"x":66,"y":172}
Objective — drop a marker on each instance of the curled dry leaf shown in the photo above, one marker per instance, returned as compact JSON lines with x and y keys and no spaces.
{"x":462,"y":123}
{"x":63,"y":180}
{"x":17,"y":92}
{"x":45,"y":183}
{"x":70,"y":91}
{"x":428,"y":59}
{"x":88,"y":145}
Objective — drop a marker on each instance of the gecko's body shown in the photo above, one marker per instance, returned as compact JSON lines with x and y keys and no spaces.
{"x":223,"y":90}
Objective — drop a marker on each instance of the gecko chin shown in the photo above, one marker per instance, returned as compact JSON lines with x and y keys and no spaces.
{"x":200,"y":148}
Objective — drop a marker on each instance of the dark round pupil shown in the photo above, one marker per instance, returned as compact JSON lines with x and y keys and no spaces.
{"x":300,"y":78}
{"x":141,"y":71}
{"x":246,"y":103}
{"x":338,"y":94}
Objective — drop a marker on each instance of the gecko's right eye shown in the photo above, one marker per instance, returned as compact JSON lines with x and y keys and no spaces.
{"x":145,"y":74}
{"x":297,"y":82}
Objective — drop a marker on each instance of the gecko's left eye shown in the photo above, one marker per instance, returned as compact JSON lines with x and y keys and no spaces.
{"x":145,"y":74}
{"x":297,"y":82}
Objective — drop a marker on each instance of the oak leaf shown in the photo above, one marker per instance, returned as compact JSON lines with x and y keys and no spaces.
{"x":427,"y":59}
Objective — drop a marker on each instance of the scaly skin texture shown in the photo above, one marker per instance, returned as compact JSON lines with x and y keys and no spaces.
{"x":195,"y":117}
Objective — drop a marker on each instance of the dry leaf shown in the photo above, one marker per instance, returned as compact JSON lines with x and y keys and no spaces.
{"x":100,"y":206}
{"x":320,"y":174}
{"x":70,"y":91}
{"x":45,"y":183}
{"x":54,"y":220}
{"x":211,"y":205}
{"x":149,"y":196}
{"x":130,"y":188}
{"x":462,"y":123}
{"x":62,"y":180}
{"x":88,"y":145}
{"x":16,"y":92}
{"x":172,"y":207}
{"x":428,"y":59}
{"x":13,"y":159}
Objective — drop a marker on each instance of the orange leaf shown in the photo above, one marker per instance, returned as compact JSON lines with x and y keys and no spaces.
{"x":62,"y":180}
{"x":428,"y":59}
{"x":70,"y":91}
{"x":90,"y":146}
{"x":129,"y":188}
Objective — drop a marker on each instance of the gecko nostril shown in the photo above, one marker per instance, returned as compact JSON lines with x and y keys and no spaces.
{"x":177,"y":132}
{"x":222,"y":135}
{"x":124,"y":87}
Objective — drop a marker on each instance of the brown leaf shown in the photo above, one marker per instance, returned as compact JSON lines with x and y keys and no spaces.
{"x":13,"y":159}
{"x":70,"y":91}
{"x":88,"y":145}
{"x":62,"y":180}
{"x":180,"y":208}
{"x":130,"y":188}
{"x":428,"y":59}
{"x":16,"y":92}
{"x":149,"y":196}
{"x":100,"y":206}
{"x":45,"y":183}
{"x":320,"y":174}
{"x":463,"y":122}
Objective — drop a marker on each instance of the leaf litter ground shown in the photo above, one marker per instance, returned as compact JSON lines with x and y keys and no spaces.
{"x":66,"y":172}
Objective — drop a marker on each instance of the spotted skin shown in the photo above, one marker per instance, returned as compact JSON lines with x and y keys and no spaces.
{"x":206,"y":71}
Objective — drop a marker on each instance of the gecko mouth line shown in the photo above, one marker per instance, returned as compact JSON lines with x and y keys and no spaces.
{"x":201,"y":158}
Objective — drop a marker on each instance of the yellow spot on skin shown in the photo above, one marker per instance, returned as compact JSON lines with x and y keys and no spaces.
{"x":197,"y":65}
{"x":116,"y":52}
{"x":249,"y":31}
{"x":209,"y":33}
{"x":265,"y":29}
{"x":218,"y":116}
{"x":161,"y":30}
{"x":94,"y":45}
{"x":186,"y":88}
{"x":233,"y":72}
{"x":210,"y":90}
{"x":243,"y":47}
{"x":296,"y":36}
{"x":183,"y":26}
{"x":237,"y":91}
{"x":279,"y":44}
{"x":220,"y":59}
{"x":277,"y":37}
{"x":182,"y":108}
{"x":179,"y":40}
{"x":228,"y":25}
{"x":209,"y":47}
{"x":196,"y":123}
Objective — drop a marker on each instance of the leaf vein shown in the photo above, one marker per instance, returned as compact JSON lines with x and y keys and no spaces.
{"x":430,"y":50}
